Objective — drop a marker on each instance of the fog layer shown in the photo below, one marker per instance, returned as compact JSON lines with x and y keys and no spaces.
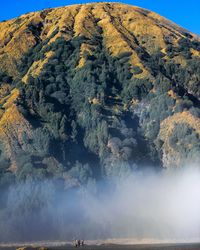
{"x":146,"y":205}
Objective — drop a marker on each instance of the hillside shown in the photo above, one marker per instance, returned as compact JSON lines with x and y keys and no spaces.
{"x":95,"y":90}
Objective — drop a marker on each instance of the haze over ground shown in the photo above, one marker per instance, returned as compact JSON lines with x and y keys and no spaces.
{"x":146,"y":207}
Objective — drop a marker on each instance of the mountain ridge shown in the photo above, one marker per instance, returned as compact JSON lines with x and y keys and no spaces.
{"x":115,"y":84}
{"x":79,"y":11}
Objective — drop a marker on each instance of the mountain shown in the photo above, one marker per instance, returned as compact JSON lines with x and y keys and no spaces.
{"x":95,"y":90}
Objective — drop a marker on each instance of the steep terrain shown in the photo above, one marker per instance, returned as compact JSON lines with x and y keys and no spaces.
{"x":95,"y":90}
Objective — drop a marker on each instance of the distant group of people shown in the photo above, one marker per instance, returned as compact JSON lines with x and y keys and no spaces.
{"x":79,"y":243}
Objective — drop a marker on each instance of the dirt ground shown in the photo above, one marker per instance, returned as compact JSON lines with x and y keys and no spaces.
{"x":137,"y":247}
{"x":114,"y":247}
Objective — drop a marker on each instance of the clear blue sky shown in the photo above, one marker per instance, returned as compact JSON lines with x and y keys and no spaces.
{"x":183,"y":12}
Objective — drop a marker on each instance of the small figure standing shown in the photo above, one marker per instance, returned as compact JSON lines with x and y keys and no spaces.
{"x":79,"y":243}
{"x":82,"y":243}
{"x":76,"y":243}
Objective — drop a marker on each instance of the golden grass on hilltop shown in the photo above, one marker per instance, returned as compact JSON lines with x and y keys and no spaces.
{"x":124,"y":28}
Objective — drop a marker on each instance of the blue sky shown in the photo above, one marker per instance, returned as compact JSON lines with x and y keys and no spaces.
{"x":183,"y":12}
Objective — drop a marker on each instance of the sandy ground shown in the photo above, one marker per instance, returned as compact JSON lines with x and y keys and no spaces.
{"x":101,"y":246}
{"x":118,"y":247}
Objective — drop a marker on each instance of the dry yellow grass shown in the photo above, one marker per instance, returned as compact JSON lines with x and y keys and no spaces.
{"x":195,"y":52}
{"x":170,"y":156}
{"x":37,"y":67}
{"x":4,"y":93}
{"x":94,"y":101}
{"x":172,"y":94}
{"x":124,"y":29}
{"x":5,"y":88}
{"x":12,"y":126}
{"x":15,"y":40}
{"x":84,"y":48}
{"x":185,"y":117}
{"x":11,"y":98}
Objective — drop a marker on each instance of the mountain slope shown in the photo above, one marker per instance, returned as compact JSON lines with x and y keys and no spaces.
{"x":124,"y":28}
{"x":96,"y":90}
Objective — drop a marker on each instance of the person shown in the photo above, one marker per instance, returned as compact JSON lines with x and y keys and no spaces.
{"x":76,"y":243}
{"x":79,"y":243}
{"x":82,"y":243}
